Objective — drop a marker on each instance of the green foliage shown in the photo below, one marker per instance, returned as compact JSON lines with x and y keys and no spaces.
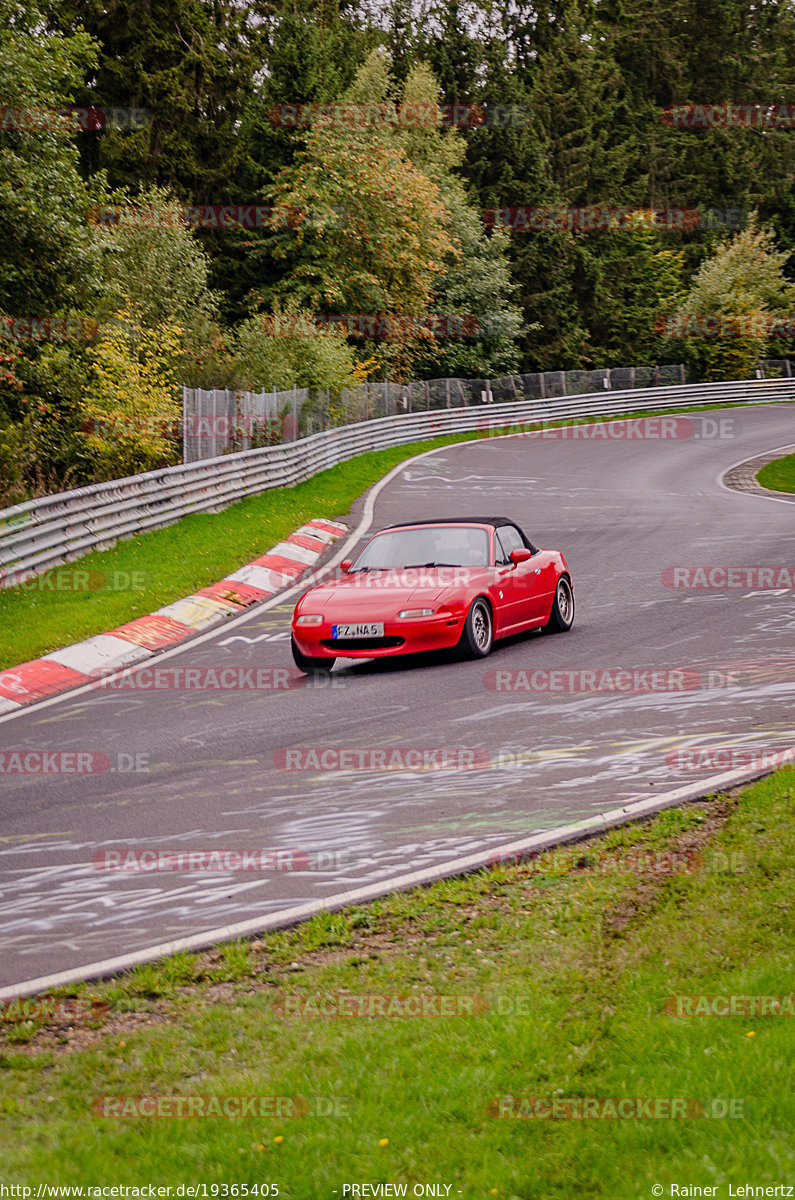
{"x":152,"y":260}
{"x":289,"y":349}
{"x":46,"y":262}
{"x":49,"y":268}
{"x":189,"y":66}
{"x":779,"y":475}
{"x":130,"y":408}
{"x":379,"y":219}
{"x":368,"y":228}
{"x":744,"y":279}
{"x":476,"y":280}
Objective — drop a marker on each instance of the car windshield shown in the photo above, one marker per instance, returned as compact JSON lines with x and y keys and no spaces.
{"x":430,"y":546}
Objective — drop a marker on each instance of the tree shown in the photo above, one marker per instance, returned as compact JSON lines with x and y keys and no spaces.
{"x":186,"y":68}
{"x":743,"y":281}
{"x":475,"y":282}
{"x":49,"y":269}
{"x":130,"y":408}
{"x":151,"y":259}
{"x":360,"y":228}
{"x":47,"y":265}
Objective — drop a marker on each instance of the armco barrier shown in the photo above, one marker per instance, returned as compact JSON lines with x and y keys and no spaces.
{"x":40,"y":534}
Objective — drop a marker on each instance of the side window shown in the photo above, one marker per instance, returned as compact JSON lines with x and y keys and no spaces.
{"x":500,"y":553}
{"x":511,"y":539}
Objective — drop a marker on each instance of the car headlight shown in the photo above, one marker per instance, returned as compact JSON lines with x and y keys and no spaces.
{"x":309,"y":619}
{"x":409,"y":613}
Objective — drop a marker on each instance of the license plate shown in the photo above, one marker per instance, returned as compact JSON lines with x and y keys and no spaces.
{"x":374,"y":629}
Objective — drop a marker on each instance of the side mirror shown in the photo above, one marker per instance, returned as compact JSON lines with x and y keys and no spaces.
{"x":520,"y":556}
{"x":346,"y":565}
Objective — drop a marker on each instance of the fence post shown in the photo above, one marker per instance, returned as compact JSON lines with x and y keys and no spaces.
{"x":184,"y":424}
{"x":295,"y":415}
{"x":366,"y":400}
{"x":214,"y":424}
{"x":447,"y":392}
{"x":246,"y":437}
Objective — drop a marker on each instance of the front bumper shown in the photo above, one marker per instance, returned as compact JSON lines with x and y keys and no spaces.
{"x":400,"y":637}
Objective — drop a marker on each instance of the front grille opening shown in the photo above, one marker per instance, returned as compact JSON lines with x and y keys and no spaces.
{"x":373,"y":643}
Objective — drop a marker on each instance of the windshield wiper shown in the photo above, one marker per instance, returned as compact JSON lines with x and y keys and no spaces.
{"x":418,"y":566}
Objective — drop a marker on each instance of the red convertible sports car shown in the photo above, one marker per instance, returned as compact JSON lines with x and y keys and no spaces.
{"x":428,"y":585}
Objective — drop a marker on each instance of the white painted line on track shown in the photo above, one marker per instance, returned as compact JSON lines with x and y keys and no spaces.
{"x":632,"y":811}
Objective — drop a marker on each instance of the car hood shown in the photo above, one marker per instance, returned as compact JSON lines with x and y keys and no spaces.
{"x":407,"y":588}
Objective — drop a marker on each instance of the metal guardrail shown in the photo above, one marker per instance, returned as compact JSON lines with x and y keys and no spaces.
{"x":39,"y":534}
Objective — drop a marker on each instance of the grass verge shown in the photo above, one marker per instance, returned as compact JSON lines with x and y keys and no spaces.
{"x":145,"y":572}
{"x":779,"y":476}
{"x":575,"y":957}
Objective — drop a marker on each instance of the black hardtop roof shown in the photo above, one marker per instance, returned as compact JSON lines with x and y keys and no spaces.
{"x":495,"y":521}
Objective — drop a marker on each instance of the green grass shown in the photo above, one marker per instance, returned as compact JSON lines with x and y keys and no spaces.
{"x":576,"y":966}
{"x":779,"y":476}
{"x":145,"y":572}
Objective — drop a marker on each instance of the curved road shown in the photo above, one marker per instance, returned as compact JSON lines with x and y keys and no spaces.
{"x":200,"y":770}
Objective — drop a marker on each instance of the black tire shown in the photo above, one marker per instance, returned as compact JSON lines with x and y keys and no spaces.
{"x":477,"y":635}
{"x":310,"y":666}
{"x":562,"y":616}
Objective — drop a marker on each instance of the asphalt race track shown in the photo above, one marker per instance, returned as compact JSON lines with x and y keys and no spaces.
{"x":201,"y":769}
